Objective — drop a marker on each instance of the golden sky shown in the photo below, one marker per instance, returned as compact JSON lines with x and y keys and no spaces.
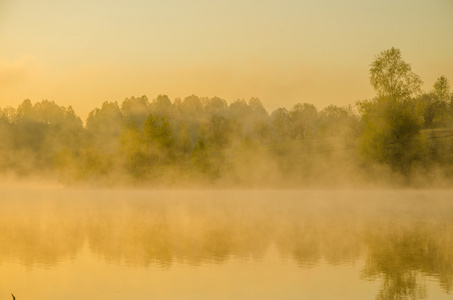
{"x":85,"y":52}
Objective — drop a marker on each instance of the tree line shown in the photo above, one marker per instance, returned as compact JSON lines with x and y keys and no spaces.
{"x":144,"y":141}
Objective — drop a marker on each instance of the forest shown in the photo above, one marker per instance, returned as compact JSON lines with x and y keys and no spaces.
{"x":401,"y":137}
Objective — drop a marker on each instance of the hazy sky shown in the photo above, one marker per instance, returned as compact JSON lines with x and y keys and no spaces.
{"x":85,"y":52}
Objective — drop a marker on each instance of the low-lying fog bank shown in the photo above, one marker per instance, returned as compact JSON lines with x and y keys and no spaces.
{"x":400,"y":236}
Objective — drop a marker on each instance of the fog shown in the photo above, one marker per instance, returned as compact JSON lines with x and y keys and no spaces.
{"x":206,"y":143}
{"x":400,"y":138}
{"x":396,"y":237}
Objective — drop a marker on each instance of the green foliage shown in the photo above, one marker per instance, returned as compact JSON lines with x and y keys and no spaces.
{"x":303,"y":117}
{"x":335,"y":120}
{"x":158,"y":131}
{"x":104,"y":126}
{"x":183,"y":142}
{"x":200,"y":157}
{"x":191,"y":107}
{"x":392,"y":77}
{"x":391,"y":133}
{"x":33,"y":136}
{"x":442,"y":89}
{"x":106,"y":121}
{"x":282,"y":123}
{"x":146,"y":150}
{"x":340,"y":122}
{"x":135,"y":110}
{"x":392,"y":121}
{"x":430,"y":108}
{"x":133,"y":152}
{"x":257,"y":107}
{"x":220,"y":131}
{"x":162,"y":106}
{"x":263,"y":130}
{"x":216,"y":106}
{"x":239,"y":110}
{"x":208,"y":139}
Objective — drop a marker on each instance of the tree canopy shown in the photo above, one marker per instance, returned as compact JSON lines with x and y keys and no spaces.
{"x":201,"y":139}
{"x":392,"y":77}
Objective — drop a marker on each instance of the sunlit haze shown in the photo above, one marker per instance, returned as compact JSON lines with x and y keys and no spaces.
{"x":208,"y":149}
{"x":82,"y":53}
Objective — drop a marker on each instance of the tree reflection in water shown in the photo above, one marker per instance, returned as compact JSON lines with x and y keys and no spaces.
{"x":403,"y":253}
{"x":402,"y":240}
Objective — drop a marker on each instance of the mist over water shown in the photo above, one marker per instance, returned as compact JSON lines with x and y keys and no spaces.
{"x":392,"y":244}
{"x":167,"y":217}
{"x":213,"y":195}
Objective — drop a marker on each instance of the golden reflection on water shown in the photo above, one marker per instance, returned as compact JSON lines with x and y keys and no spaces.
{"x":353,"y":240}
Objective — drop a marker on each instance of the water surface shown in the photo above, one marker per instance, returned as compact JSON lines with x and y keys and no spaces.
{"x":72,"y":244}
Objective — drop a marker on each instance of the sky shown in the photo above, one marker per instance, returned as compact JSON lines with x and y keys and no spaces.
{"x":82,"y":53}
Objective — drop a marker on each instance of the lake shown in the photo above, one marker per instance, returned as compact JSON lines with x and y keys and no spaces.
{"x":60,"y":243}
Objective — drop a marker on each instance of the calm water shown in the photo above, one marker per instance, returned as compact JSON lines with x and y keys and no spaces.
{"x":65,"y":244}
